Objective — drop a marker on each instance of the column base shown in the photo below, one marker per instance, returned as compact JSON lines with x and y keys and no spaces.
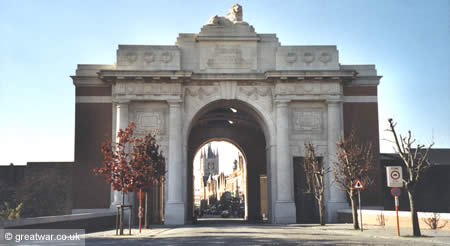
{"x":284,"y":212}
{"x":332,"y":210}
{"x":174,"y":213}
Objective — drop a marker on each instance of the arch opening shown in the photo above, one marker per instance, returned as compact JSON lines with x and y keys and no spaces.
{"x":220,"y":186}
{"x":239,"y":124}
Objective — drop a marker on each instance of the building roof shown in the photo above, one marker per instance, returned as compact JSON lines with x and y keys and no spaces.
{"x":436,"y":156}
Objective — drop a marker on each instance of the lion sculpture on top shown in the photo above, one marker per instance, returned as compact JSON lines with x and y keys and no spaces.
{"x":234,"y":16}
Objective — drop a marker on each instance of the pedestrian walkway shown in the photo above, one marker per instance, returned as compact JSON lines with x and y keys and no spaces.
{"x":262,"y":234}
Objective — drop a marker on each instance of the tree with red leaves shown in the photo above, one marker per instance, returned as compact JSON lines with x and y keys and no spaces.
{"x":149,"y":165}
{"x":129,"y":171}
{"x":117,"y":165}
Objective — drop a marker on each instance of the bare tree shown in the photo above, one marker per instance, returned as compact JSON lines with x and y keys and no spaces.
{"x":314,"y":173}
{"x":416,"y":161}
{"x":434,"y":221}
{"x":354,"y":162}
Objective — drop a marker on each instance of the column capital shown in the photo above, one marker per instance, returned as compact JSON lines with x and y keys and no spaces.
{"x":334,"y":101}
{"x":282,"y":102}
{"x":121,"y":101}
{"x":174,"y":102}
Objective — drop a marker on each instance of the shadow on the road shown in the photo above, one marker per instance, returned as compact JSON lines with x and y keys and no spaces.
{"x":213,"y":221}
{"x":221,"y":240}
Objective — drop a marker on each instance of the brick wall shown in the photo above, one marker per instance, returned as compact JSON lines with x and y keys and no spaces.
{"x":44,"y":188}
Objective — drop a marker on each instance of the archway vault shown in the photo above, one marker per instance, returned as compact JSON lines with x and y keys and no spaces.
{"x":236,"y":122}
{"x":262,"y":115}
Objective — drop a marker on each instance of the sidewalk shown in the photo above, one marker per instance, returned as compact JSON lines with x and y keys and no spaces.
{"x":390,"y":233}
{"x":267,"y":234}
{"x":145,"y":233}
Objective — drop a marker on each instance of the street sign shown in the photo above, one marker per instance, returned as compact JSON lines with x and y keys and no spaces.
{"x":396,"y":192}
{"x":358,"y":185}
{"x":394,"y":176}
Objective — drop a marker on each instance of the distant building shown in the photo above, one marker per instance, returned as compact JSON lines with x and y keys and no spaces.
{"x":235,"y":183}
{"x":433,"y":189}
{"x":209,"y":162}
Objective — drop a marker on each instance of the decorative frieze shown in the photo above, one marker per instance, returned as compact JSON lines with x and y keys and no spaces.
{"x":141,"y":88}
{"x":195,"y":95}
{"x":261,"y":96}
{"x":201,"y":92}
{"x":148,"y":57}
{"x":307,"y":58}
{"x":255,"y":93}
{"x":308,"y":87}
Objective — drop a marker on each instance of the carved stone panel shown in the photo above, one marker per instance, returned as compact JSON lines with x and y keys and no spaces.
{"x":150,"y":122}
{"x":196,"y":95}
{"x":150,"y":117}
{"x":228,"y":56}
{"x":307,"y":58}
{"x":307,"y":120}
{"x":260,"y":95}
{"x":201,"y":92}
{"x":148,"y":57}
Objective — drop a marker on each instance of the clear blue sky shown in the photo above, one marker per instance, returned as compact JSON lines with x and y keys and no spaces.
{"x":43,"y":41}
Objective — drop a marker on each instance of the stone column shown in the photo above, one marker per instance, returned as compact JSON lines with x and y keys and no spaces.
{"x":174,"y":211}
{"x":121,"y":123}
{"x":335,"y":198}
{"x":272,"y":180}
{"x":284,"y":206}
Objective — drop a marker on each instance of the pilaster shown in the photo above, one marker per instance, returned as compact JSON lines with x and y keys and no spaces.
{"x":335,"y":199}
{"x":174,"y":212}
{"x":284,"y":205}
{"x":121,"y":123}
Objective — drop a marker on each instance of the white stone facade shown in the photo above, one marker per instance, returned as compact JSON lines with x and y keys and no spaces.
{"x":296,"y":91}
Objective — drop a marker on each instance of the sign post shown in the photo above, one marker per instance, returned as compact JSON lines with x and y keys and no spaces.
{"x":359,"y":186}
{"x":395,"y":180}
{"x":140,"y":210}
{"x":396,"y":193}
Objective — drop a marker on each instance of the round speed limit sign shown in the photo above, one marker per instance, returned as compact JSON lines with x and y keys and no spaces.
{"x":395,"y":174}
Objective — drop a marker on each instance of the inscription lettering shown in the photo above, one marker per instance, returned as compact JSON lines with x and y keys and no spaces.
{"x":227,"y":56}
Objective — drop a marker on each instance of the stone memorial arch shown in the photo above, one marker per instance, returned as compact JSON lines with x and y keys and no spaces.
{"x":284,"y":96}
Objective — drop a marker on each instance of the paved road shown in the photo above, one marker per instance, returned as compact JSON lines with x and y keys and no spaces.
{"x":247,"y":234}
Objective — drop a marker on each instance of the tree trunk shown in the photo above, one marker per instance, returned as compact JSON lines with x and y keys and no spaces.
{"x":321,"y":210}
{"x":354,"y":212}
{"x":146,"y":211}
{"x":121,"y":214}
{"x":414,"y":218}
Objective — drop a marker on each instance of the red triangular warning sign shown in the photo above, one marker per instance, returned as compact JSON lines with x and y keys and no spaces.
{"x":358,"y":185}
